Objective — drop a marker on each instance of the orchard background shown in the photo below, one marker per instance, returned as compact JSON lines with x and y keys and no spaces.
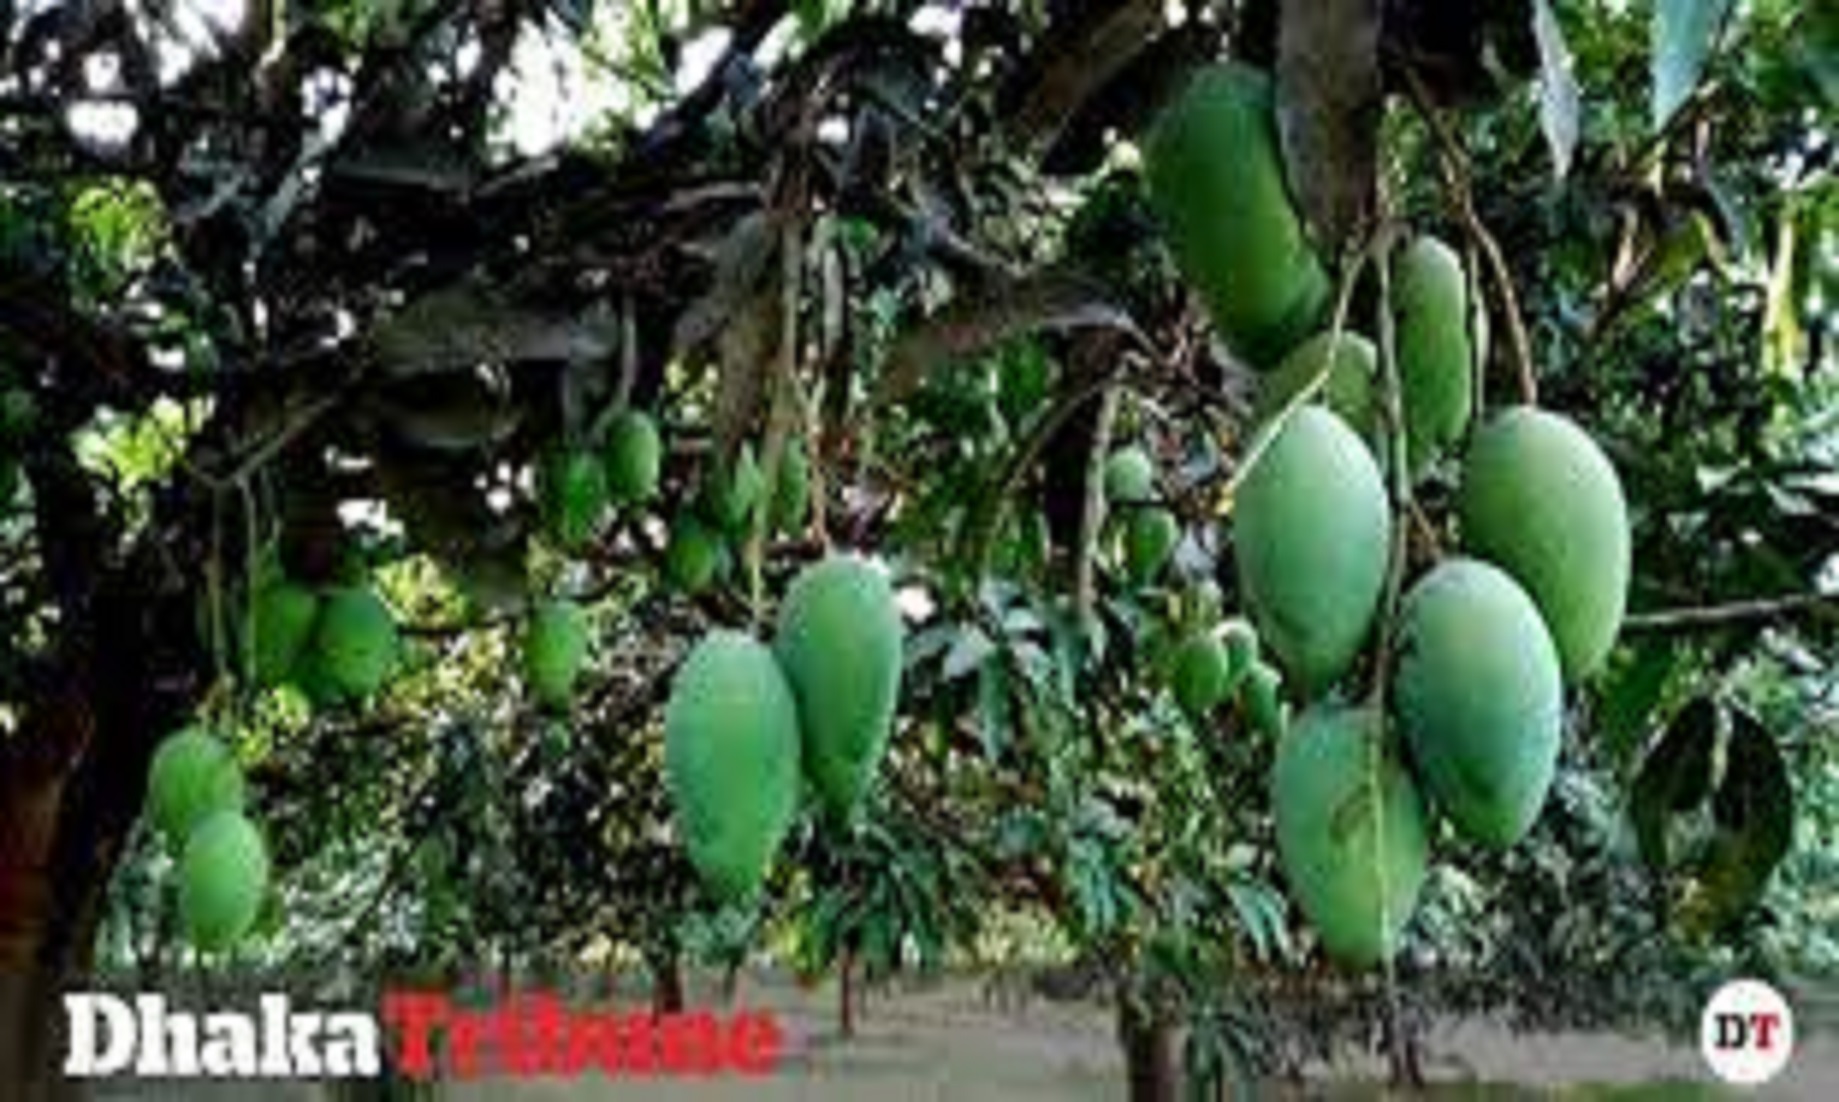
{"x":320,"y":288}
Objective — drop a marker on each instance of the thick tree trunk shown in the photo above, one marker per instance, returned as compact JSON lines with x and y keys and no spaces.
{"x":72,"y":781}
{"x":1148,"y":1036}
{"x":123,"y":669}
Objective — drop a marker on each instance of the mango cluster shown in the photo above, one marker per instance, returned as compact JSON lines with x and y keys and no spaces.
{"x":339,"y":644}
{"x":577,"y":484}
{"x":747,"y":723}
{"x":1147,"y":531}
{"x":195,"y":797}
{"x":1487,"y":639}
{"x":733,"y":494}
{"x":1220,"y":662}
{"x":1485,"y":642}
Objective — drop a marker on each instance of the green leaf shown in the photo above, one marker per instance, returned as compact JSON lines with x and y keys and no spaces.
{"x":1754,"y":811}
{"x":1684,"y":33}
{"x":1675,"y":776}
{"x":1051,"y":300}
{"x":994,"y":709}
{"x":1559,"y":98}
{"x":1634,"y":689}
{"x":969,"y":652}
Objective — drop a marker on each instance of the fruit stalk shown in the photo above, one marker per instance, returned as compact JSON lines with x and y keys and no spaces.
{"x":1392,"y":413}
{"x":1393,"y":434}
{"x":1306,"y":393}
{"x":1456,"y":189}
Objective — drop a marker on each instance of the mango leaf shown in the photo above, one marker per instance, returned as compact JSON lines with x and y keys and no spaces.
{"x":1329,"y":100}
{"x":1816,"y":50}
{"x":1559,"y":98}
{"x":994,"y":706}
{"x":449,"y":413}
{"x":576,"y":15}
{"x":968,"y":652}
{"x":1684,"y":32}
{"x":459,"y":328}
{"x":1634,"y":689}
{"x":1675,"y":776}
{"x":1754,"y":811}
{"x":977,"y":323}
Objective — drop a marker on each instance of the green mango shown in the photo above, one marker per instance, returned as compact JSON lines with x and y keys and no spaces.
{"x":192,"y":774}
{"x":555,"y":650}
{"x":731,"y":761}
{"x":1217,"y":182}
{"x":1312,"y":535}
{"x":1352,"y":836}
{"x":223,"y":880}
{"x":839,"y":639}
{"x":1541,"y":500}
{"x":634,"y":457}
{"x":1479,"y":697}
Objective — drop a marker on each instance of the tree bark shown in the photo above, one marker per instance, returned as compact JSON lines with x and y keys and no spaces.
{"x":73,"y":779}
{"x":846,"y":994}
{"x":667,"y":984}
{"x":1148,"y":1035}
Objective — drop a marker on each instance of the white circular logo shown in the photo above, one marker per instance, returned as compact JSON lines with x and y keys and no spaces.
{"x":1747,"y":1033}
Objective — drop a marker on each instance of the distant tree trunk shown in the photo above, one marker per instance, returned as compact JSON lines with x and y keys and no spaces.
{"x":1147,"y":1033}
{"x":667,"y":983}
{"x":731,"y":981}
{"x":1404,"y":1055}
{"x":846,"y":993}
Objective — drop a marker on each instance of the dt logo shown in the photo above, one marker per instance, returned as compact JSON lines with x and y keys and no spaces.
{"x":1747,"y":1032}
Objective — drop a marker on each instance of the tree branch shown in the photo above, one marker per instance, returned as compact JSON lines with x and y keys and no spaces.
{"x":1732,"y":614}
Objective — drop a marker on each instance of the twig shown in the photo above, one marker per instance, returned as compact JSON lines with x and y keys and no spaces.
{"x":1451,"y":168}
{"x":1733,"y":614}
{"x":1092,"y":510}
{"x":1397,"y":451}
{"x":1267,"y":433}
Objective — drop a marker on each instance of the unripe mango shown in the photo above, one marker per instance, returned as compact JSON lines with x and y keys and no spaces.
{"x":1436,"y":355}
{"x":555,"y":649}
{"x":1541,"y":500}
{"x":281,"y":619}
{"x":1202,"y":677}
{"x":1217,"y":181}
{"x":696,"y":556}
{"x":1349,"y":389}
{"x":792,"y":489}
{"x":1312,"y":531}
{"x":192,"y":775}
{"x":571,"y":494}
{"x":223,"y":879}
{"x":1150,"y":536}
{"x":731,"y":761}
{"x":1351,"y":832}
{"x":634,"y":456}
{"x":356,"y":641}
{"x":839,"y":639}
{"x":1479,"y":698}
{"x":1130,"y":476}
{"x":1262,"y":695}
{"x":734,"y":491}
